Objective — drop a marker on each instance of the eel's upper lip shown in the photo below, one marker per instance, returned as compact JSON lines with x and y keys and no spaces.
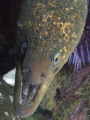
{"x":28,"y":93}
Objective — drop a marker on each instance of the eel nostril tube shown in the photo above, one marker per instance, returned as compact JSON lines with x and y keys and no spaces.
{"x":43,"y":76}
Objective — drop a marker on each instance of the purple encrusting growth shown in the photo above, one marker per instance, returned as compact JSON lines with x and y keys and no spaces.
{"x":81,"y":55}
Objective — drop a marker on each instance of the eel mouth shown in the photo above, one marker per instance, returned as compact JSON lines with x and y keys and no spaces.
{"x":28,"y":93}
{"x":27,"y":97}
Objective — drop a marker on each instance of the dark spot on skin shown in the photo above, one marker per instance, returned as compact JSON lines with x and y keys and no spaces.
{"x":56,"y":69}
{"x":60,"y":25}
{"x":43,"y":76}
{"x":63,"y":35}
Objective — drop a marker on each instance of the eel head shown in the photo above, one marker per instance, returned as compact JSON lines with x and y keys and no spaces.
{"x":32,"y":80}
{"x":31,"y":83}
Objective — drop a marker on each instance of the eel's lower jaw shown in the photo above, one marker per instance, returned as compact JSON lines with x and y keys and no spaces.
{"x":27,"y":97}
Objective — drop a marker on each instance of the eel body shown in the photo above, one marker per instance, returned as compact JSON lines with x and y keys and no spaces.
{"x":47,"y":33}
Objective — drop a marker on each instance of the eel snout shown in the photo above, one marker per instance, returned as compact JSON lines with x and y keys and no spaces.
{"x":31,"y":83}
{"x":36,"y":75}
{"x":35,"y":69}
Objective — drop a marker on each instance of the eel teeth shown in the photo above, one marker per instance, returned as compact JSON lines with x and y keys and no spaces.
{"x":28,"y":93}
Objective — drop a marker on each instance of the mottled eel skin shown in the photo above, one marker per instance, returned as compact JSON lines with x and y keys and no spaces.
{"x":50,"y":29}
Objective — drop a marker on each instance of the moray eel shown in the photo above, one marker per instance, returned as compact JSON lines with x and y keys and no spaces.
{"x":47,"y":33}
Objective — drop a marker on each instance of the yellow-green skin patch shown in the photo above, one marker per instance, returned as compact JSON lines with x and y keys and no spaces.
{"x":49,"y":27}
{"x":52,"y":22}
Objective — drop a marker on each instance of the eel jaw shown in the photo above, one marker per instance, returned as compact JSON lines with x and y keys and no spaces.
{"x":28,"y":93}
{"x":24,"y":103}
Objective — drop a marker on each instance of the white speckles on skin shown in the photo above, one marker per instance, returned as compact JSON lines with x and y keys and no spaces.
{"x":11,"y":98}
{"x":1,"y":95}
{"x":6,"y":113}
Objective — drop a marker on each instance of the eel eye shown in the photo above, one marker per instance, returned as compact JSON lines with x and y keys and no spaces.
{"x":24,"y":48}
{"x":57,"y":59}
